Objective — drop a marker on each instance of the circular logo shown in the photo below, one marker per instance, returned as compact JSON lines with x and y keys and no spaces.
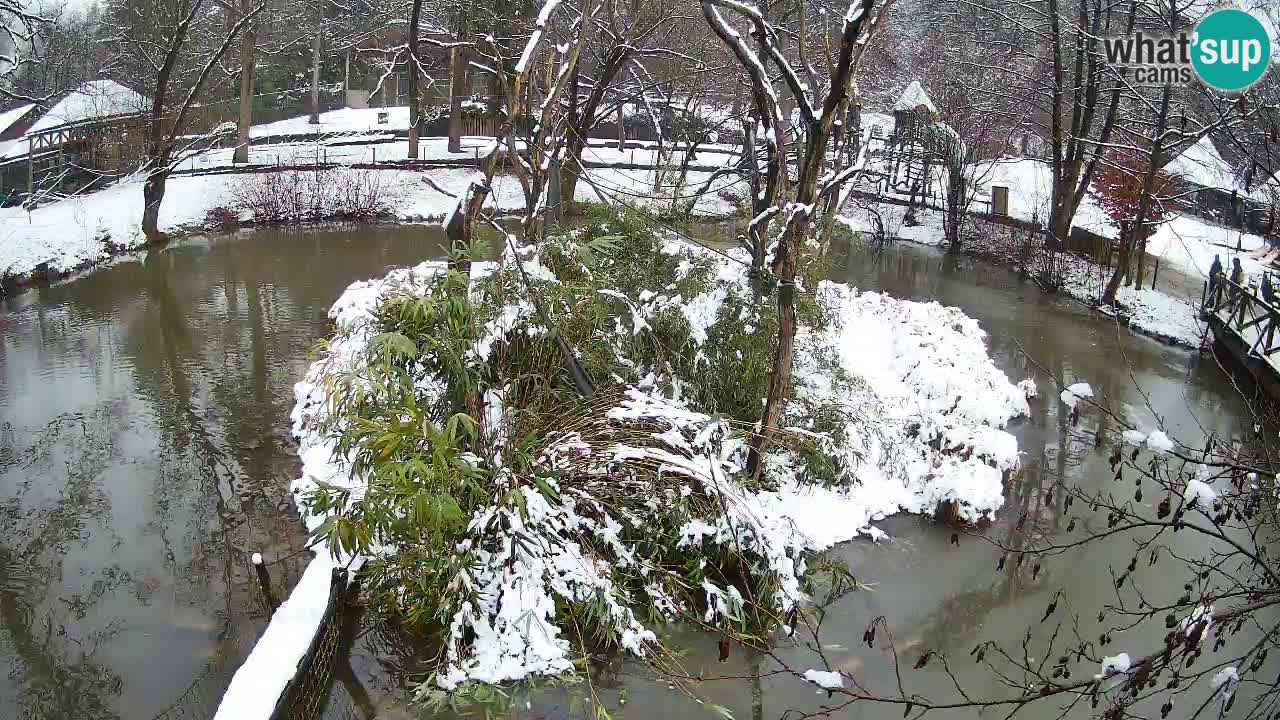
{"x":1232,"y":50}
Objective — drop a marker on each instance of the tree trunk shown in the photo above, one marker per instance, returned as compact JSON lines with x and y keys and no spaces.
{"x":622,"y":128}
{"x":784,"y":353}
{"x":457,"y":75}
{"x":414,"y":111}
{"x":755,"y":239}
{"x":248,"y":71}
{"x":571,"y":169}
{"x":152,"y":196}
{"x":1060,"y":216}
{"x":315,"y":67}
{"x":1141,"y":251}
{"x":1122,"y":265}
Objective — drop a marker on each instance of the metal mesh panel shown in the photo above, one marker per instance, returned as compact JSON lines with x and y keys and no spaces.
{"x":307,"y":693}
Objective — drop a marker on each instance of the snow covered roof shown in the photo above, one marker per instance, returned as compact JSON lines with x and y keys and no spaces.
{"x":912,"y":98}
{"x":1201,"y":165}
{"x":93,"y":100}
{"x":13,"y":115}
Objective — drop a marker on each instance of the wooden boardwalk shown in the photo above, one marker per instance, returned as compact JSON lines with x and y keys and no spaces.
{"x":1248,"y":328}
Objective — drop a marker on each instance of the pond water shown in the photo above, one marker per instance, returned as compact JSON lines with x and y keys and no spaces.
{"x":144,"y":455}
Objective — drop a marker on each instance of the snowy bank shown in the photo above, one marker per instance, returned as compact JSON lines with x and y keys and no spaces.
{"x":1150,"y":311}
{"x":922,"y":411}
{"x":79,"y":231}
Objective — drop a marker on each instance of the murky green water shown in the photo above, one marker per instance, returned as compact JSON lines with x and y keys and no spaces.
{"x":144,"y":456}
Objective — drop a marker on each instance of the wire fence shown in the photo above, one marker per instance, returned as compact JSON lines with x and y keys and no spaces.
{"x":305,"y":696}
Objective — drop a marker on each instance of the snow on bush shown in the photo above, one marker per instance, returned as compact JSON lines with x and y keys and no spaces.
{"x":1156,"y":441}
{"x":823,"y":679}
{"x":1114,"y":665}
{"x":1075,"y":393}
{"x":626,"y":509}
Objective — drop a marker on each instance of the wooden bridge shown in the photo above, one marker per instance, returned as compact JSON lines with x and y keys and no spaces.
{"x":1248,"y":327}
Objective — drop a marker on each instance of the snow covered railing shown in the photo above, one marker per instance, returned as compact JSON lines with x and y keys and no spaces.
{"x":290,"y":666}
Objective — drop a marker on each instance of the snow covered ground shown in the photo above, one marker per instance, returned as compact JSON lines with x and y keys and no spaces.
{"x":920,"y":371}
{"x":1152,"y":311}
{"x":78,"y":231}
{"x":1187,"y":244}
{"x":81,"y":230}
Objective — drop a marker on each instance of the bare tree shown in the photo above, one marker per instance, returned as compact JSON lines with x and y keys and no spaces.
{"x":631,"y":34}
{"x":182,"y":43}
{"x":798,"y":207}
{"x":21,"y":32}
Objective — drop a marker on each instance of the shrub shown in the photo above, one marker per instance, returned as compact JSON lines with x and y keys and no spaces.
{"x":221,"y":217}
{"x":290,"y":196}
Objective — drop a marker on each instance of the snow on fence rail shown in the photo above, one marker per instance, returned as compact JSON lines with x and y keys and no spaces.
{"x":286,"y":676}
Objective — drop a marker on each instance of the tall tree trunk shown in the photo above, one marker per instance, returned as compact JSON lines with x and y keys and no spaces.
{"x":1140,"y":249}
{"x":622,"y":129}
{"x":248,"y":73}
{"x":152,"y":196}
{"x":1138,"y":228}
{"x":457,"y":78}
{"x":1122,"y":266}
{"x":414,"y":111}
{"x":315,"y":66}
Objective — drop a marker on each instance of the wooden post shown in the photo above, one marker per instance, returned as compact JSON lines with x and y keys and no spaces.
{"x":264,"y":582}
{"x":456,"y":75}
{"x":1155,"y":273}
{"x":622,"y":126}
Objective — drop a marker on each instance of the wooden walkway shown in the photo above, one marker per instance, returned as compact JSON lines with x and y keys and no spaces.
{"x":1248,"y":327}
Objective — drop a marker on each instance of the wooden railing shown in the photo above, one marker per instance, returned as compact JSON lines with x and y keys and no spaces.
{"x":1242,"y":310}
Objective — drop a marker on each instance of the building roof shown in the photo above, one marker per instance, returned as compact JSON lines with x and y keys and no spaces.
{"x":92,"y":101}
{"x":9,"y":117}
{"x":913,"y":97}
{"x":1202,"y":165}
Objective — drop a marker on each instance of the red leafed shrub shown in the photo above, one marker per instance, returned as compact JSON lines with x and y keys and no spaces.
{"x":1117,"y":185}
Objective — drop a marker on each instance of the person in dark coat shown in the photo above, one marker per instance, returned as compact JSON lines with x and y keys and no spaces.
{"x":1268,"y":291}
{"x":1215,"y":281}
{"x":1238,"y":281}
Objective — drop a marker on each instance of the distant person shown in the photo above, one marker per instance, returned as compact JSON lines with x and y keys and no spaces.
{"x":1215,"y":281}
{"x":1238,"y":281}
{"x":1268,"y":291}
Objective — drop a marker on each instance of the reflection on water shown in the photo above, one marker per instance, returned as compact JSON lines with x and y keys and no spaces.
{"x":144,"y":455}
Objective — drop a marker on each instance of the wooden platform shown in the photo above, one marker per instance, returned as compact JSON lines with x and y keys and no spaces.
{"x":1248,"y":329}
